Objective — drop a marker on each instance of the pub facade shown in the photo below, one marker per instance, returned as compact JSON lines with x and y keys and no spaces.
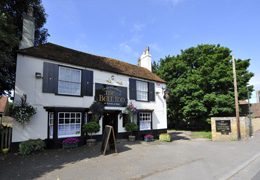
{"x":62,"y":83}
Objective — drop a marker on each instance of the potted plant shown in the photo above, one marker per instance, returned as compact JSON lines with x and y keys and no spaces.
{"x":148,"y":138}
{"x":70,"y":143}
{"x":90,"y":128}
{"x":130,"y":127}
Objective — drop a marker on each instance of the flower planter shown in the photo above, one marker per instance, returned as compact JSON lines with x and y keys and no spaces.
{"x":148,"y":139}
{"x":69,"y":146}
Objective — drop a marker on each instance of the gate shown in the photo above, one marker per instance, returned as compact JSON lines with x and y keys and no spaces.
{"x":5,"y":137}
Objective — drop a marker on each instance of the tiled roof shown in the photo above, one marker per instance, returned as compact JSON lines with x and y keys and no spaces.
{"x":3,"y":103}
{"x":65,"y":55}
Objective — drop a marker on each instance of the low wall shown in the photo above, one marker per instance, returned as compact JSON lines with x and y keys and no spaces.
{"x":256,"y":124}
{"x":226,"y":128}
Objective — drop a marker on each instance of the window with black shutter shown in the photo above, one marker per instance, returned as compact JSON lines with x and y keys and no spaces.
{"x":67,"y":81}
{"x":141,"y":90}
{"x":50,"y":78}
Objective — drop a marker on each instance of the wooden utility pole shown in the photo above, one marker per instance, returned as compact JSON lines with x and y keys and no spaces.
{"x":236,"y":98}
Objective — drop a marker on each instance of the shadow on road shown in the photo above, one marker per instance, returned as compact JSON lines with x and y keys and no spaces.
{"x":177,"y":135}
{"x":15,"y":166}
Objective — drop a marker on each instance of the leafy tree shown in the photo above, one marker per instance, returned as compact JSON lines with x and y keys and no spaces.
{"x":200,"y":81}
{"x":11,"y":22}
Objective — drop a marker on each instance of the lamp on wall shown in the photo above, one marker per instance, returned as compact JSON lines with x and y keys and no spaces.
{"x":166,"y":93}
{"x":38,"y":75}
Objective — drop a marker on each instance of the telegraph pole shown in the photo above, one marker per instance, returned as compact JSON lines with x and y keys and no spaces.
{"x":236,"y":98}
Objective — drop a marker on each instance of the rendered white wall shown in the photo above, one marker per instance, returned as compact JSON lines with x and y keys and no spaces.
{"x":26,"y":83}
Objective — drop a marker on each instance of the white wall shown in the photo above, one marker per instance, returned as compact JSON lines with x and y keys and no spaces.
{"x":26,"y":83}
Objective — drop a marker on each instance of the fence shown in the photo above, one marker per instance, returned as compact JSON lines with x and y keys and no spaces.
{"x":5,"y":137}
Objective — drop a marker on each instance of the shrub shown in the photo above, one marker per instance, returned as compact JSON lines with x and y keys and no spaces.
{"x":131,"y":126}
{"x":165,"y":137}
{"x":91,"y":127}
{"x":32,"y":145}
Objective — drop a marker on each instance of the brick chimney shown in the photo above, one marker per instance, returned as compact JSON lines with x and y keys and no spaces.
{"x":28,"y":30}
{"x":145,"y":60}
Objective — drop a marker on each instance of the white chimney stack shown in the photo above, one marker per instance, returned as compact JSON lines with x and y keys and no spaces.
{"x":28,"y":30}
{"x":145,"y":60}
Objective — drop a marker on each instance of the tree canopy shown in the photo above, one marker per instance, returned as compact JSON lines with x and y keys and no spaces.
{"x":200,"y":81}
{"x":11,"y":22}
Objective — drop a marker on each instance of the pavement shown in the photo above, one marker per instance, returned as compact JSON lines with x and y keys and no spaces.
{"x":184,"y":158}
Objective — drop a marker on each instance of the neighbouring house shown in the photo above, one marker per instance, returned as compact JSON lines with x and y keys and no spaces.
{"x":62,"y":83}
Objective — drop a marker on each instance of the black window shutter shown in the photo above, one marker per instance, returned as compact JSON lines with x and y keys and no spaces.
{"x":50,"y":78}
{"x":87,"y":83}
{"x":132,"y":88}
{"x":151,"y":91}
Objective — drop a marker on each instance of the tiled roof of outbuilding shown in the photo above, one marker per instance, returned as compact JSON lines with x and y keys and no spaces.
{"x":65,"y":55}
{"x":3,"y":103}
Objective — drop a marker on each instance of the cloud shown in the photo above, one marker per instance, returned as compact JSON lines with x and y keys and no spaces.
{"x":138,"y":27}
{"x":155,"y":47}
{"x":126,"y":48}
{"x":173,"y":2}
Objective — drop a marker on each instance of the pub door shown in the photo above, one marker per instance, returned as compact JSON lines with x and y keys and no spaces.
{"x":111,"y":118}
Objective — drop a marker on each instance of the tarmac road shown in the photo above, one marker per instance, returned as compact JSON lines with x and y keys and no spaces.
{"x":180,"y":159}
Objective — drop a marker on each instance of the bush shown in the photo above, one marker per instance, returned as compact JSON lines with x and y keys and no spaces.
{"x":165,"y":137}
{"x":91,"y":127}
{"x":32,"y":145}
{"x":130,"y":127}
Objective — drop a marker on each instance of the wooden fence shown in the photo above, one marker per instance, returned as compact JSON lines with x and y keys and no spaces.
{"x":5,"y":137}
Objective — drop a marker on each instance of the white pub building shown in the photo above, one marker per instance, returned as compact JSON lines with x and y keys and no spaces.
{"x":62,"y":83}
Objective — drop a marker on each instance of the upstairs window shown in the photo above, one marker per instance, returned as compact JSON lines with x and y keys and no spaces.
{"x":69,"y":82}
{"x":141,"y":91}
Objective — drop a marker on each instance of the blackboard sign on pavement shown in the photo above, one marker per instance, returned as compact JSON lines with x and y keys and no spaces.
{"x":108,"y":139}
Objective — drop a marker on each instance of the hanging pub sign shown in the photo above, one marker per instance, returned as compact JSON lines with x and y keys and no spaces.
{"x":111,"y":95}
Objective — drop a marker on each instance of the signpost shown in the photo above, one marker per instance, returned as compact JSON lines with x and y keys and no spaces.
{"x":108,"y":139}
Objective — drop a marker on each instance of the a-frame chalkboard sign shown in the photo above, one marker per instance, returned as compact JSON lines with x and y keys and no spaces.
{"x":108,"y":139}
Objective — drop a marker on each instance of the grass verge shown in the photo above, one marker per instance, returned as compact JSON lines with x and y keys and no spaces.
{"x":201,"y":134}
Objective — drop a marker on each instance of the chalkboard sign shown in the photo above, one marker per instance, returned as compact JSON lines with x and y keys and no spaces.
{"x":223,"y":126}
{"x":108,"y":140}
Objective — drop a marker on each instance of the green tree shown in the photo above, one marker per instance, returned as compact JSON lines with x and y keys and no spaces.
{"x":200,"y":81}
{"x":11,"y":22}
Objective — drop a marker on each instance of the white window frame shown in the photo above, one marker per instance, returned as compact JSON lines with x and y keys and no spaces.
{"x":142,"y":91}
{"x":69,"y":82}
{"x":51,"y":121}
{"x":145,"y":118}
{"x":65,"y":124}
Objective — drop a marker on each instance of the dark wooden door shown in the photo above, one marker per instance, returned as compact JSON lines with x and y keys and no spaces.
{"x":110,"y":118}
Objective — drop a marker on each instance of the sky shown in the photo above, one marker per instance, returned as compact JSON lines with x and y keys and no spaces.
{"x":123,"y":29}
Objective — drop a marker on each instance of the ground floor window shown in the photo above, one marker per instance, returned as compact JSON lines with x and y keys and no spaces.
{"x":69,"y":124}
{"x":145,"y":120}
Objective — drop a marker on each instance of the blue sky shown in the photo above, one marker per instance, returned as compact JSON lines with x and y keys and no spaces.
{"x":123,"y":29}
